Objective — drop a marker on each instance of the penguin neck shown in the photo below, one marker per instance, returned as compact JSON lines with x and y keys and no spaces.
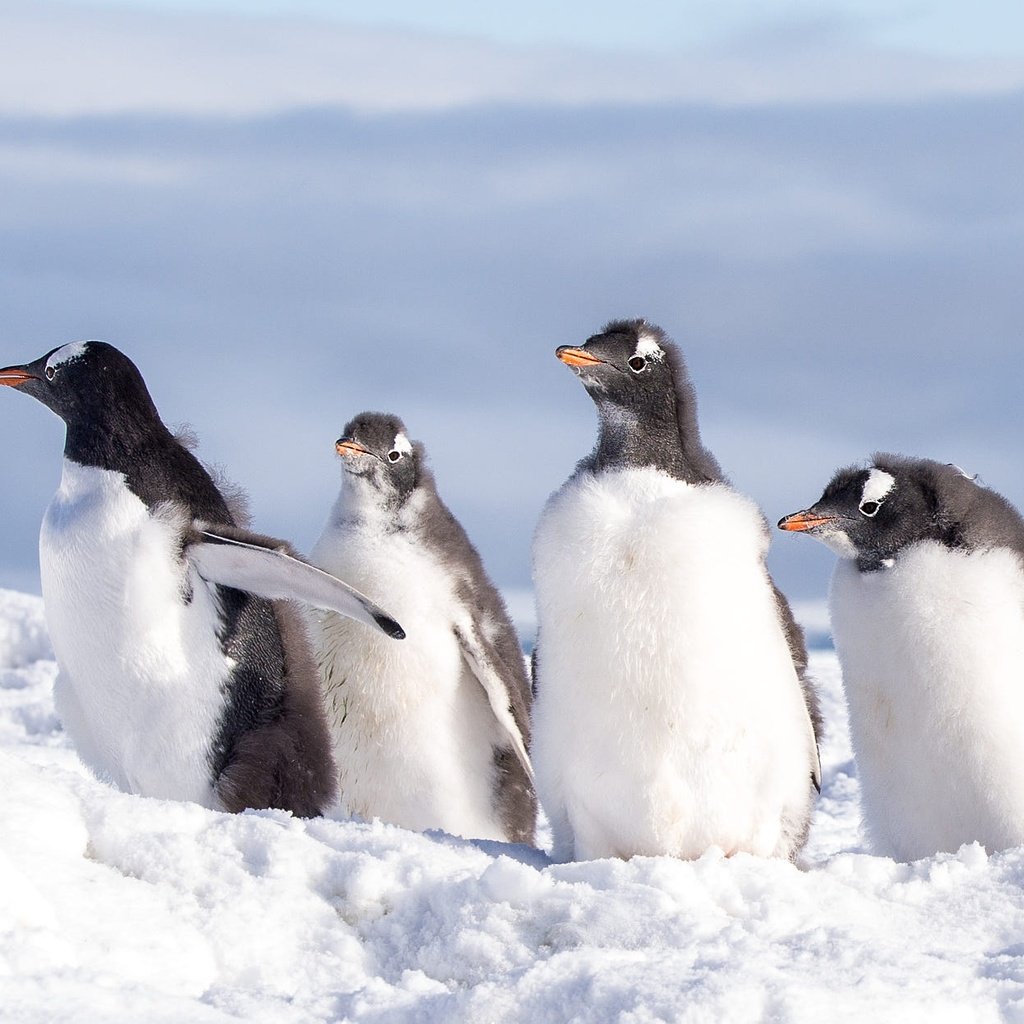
{"x":155,"y":466}
{"x":874,"y":563}
{"x":118,"y":445}
{"x":652,"y":440}
{"x":362,"y":499}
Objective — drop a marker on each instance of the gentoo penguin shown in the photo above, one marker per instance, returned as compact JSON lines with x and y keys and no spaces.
{"x":431,"y":733}
{"x":672,"y":712}
{"x":176,"y":681}
{"x":927,"y":606}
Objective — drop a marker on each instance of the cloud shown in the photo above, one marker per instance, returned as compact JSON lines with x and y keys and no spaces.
{"x":70,"y":61}
{"x":842,"y":277}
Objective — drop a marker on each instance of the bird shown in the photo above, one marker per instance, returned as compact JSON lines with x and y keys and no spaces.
{"x":433,"y":734}
{"x":672,"y":712}
{"x":184,"y":673}
{"x":927,"y":610}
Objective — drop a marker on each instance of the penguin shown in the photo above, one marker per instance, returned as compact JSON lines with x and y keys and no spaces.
{"x":927,"y":608}
{"x":432,"y":734}
{"x":672,"y":709}
{"x":183,"y":672}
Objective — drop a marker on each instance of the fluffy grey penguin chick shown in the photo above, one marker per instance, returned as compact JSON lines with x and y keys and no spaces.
{"x":183,"y":672}
{"x":927,"y":606}
{"x":431,"y":733}
{"x":672,"y":712}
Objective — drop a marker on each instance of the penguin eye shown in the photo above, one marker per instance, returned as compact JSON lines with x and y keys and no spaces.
{"x":870,"y":508}
{"x":394,"y":455}
{"x":637,"y":363}
{"x":50,"y":373}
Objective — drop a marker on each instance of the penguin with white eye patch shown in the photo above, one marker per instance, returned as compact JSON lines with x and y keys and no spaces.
{"x":184,"y":674}
{"x":927,"y":606}
{"x":672,"y":711}
{"x":433,"y":736}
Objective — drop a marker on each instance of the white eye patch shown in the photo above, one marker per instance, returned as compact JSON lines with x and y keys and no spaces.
{"x":877,"y":486}
{"x":66,"y":353}
{"x":648,"y":348}
{"x":402,"y":444}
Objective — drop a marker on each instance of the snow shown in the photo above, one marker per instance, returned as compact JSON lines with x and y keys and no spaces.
{"x":119,"y":908}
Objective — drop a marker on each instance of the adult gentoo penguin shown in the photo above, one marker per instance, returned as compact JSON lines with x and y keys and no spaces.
{"x":176,"y":681}
{"x":431,"y":733}
{"x":927,"y":605}
{"x":672,"y":711}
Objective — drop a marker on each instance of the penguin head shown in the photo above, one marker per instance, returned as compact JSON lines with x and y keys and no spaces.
{"x":646,"y":403}
{"x":376,"y":450}
{"x":630,"y":364}
{"x":872,"y":514}
{"x":85,"y":383}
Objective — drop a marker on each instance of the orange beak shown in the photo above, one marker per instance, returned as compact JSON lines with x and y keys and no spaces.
{"x":12,"y":376}
{"x":576,"y":356}
{"x":346,"y":446}
{"x":798,"y":522}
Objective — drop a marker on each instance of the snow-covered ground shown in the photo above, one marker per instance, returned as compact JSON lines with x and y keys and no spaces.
{"x":119,"y":908}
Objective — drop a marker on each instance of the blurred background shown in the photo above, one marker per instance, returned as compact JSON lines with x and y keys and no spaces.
{"x":287,"y":213}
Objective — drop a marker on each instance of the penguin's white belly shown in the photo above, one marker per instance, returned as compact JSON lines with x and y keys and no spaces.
{"x":414,"y":735}
{"x":668,"y":717}
{"x":932,"y":652}
{"x":140,"y":690}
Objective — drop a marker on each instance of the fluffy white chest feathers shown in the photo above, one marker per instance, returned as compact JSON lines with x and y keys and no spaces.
{"x":414,"y":735}
{"x":932,"y":651}
{"x":141,"y":672}
{"x":668,"y":716}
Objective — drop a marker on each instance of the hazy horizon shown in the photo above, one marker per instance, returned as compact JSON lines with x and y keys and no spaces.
{"x":286,"y":221}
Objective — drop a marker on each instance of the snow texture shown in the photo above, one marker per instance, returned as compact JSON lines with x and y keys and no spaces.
{"x":120,"y":908}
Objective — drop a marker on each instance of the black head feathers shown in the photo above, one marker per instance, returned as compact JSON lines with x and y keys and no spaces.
{"x":872,"y":514}
{"x":645,"y":399}
{"x":375,"y":447}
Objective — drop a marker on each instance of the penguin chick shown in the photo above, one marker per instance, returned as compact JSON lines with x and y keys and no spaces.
{"x":671,"y":710}
{"x":927,"y":607}
{"x":179,"y":679}
{"x":434,"y":733}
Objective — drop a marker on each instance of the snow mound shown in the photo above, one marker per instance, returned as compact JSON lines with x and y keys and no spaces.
{"x":23,"y":637}
{"x":119,"y":908}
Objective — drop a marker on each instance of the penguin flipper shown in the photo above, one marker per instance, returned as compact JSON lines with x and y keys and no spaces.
{"x":274,"y":574}
{"x":488,"y":675}
{"x":798,"y":650}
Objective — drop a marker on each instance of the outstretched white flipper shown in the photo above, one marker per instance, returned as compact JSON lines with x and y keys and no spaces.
{"x":483,"y":667}
{"x":277,"y":575}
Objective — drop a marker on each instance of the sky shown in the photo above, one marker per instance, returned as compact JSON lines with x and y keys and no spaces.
{"x":289,"y":213}
{"x":933,"y":26}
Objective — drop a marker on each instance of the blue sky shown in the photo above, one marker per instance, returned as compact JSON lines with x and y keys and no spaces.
{"x":286,"y":219}
{"x":933,"y":26}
